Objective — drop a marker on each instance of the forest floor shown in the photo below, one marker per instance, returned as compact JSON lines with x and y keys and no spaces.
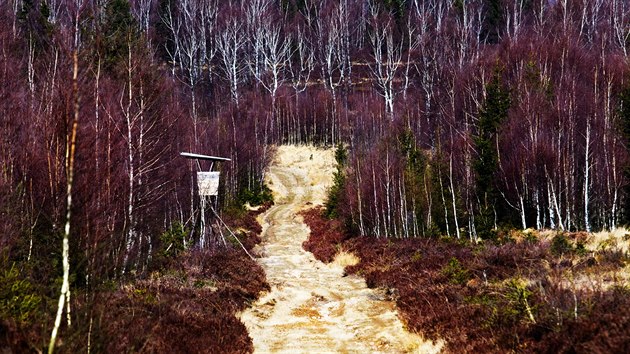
{"x":315,"y":307}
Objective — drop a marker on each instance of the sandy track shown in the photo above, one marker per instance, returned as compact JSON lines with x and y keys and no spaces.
{"x":312,"y":307}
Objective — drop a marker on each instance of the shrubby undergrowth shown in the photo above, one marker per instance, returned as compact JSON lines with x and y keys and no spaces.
{"x":528,"y":292}
{"x":185,"y":302}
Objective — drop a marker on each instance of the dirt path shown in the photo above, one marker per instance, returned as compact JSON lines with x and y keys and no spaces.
{"x":312,"y":307}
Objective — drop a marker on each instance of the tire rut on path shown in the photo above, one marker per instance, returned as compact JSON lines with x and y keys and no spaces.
{"x":312,"y":307}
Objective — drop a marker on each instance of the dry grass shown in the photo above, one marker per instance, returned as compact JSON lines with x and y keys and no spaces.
{"x":617,"y":239}
{"x":344,"y":259}
{"x":329,"y":235}
{"x":419,"y":345}
{"x":306,"y":311}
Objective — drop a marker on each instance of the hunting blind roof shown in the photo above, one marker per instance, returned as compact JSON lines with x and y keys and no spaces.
{"x":203,"y":157}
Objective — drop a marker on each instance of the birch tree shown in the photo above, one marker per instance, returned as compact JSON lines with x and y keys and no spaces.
{"x":275,"y":54}
{"x":64,"y":297}
{"x":193,"y":28}
{"x":258,"y":20}
{"x":620,"y":15}
{"x":230,"y":45}
{"x":387,"y":56}
{"x":70,"y":150}
{"x":141,"y":10}
{"x":300,"y":71}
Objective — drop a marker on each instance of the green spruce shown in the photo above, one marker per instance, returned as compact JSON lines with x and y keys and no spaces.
{"x":335,"y":193}
{"x":493,"y":113}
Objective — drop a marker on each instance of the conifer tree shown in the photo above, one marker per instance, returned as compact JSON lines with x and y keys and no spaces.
{"x":119,"y":30}
{"x":492,"y":114}
{"x":335,"y":194}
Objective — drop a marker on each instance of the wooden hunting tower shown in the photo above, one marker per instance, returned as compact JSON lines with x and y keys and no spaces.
{"x":207,"y":185}
{"x":207,"y":181}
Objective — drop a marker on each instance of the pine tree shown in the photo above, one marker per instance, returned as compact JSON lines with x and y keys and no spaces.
{"x":493,"y":113}
{"x":335,"y":193}
{"x":119,"y":33}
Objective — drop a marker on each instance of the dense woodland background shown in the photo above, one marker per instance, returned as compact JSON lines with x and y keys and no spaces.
{"x":456,"y":118}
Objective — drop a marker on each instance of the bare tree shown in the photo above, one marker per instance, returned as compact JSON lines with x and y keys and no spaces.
{"x":342,"y":15}
{"x":514,"y":17}
{"x":141,"y":10}
{"x":590,"y":18}
{"x":257,"y":19}
{"x":71,"y":139}
{"x":139,"y":135}
{"x":540,"y":16}
{"x":304,"y":64}
{"x":333,"y":42}
{"x":300,"y":71}
{"x":620,"y":15}
{"x":230,"y":45}
{"x":468,"y":31}
{"x":387,"y":56}
{"x":275,"y":53}
{"x":192,"y":28}
{"x":414,"y":27}
{"x":275,"y":56}
{"x":173,"y":25}
{"x":64,"y":297}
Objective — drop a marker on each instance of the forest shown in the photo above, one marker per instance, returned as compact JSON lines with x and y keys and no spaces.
{"x":458,"y":119}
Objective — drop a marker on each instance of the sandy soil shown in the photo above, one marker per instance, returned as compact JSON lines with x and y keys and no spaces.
{"x":313,"y":307}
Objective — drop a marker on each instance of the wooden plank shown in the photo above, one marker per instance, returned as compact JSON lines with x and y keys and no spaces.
{"x":203,"y":157}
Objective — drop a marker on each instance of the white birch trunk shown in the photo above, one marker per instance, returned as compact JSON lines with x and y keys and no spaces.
{"x":587,"y":167}
{"x":64,"y":297}
{"x":453,"y":196}
{"x":360,"y":204}
{"x":448,"y":232}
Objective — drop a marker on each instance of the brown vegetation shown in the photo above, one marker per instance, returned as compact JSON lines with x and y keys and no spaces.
{"x":187,"y":304}
{"x":190,"y":308}
{"x":329,"y":236}
{"x":521,"y":294}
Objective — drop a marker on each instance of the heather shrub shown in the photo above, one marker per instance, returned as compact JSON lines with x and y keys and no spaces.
{"x":560,"y":244}
{"x":173,"y":240}
{"x":19,"y":299}
{"x":455,"y":272}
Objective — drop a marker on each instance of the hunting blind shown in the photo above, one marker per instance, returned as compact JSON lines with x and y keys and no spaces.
{"x":207,"y":181}
{"x":207,"y":185}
